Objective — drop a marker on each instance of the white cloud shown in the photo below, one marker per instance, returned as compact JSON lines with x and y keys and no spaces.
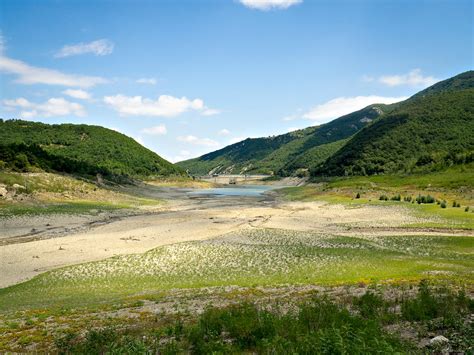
{"x":413,"y":78}
{"x":183,"y":155}
{"x":269,"y":4}
{"x":290,"y":118}
{"x":223,"y":132}
{"x":210,"y":112}
{"x":150,"y":81}
{"x":156,"y":130}
{"x":100,"y":47}
{"x":52,"y":107}
{"x":343,"y":105}
{"x":206,"y":142}
{"x":163,"y":106}
{"x":77,"y":94}
{"x":28,"y":74}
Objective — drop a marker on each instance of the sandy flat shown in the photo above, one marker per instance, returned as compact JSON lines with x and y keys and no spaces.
{"x":77,"y":239}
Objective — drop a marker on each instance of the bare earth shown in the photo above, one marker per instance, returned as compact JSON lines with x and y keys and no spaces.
{"x":33,"y":245}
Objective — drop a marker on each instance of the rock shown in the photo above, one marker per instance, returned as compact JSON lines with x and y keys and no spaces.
{"x":439,"y":340}
{"x":3,"y":191}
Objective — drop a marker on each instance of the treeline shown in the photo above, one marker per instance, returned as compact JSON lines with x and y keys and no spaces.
{"x":78,"y":149}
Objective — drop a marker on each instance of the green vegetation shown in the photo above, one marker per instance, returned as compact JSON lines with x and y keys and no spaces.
{"x":286,"y":153}
{"x":430,"y":131}
{"x":77,"y":149}
{"x":247,"y":258}
{"x":374,"y":321}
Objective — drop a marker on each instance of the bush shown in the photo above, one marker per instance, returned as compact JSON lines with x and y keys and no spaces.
{"x":425,"y":199}
{"x":443,"y":204}
{"x":383,"y":198}
{"x":396,"y":198}
{"x":466,"y":209}
{"x":407,"y":198}
{"x":358,"y":195}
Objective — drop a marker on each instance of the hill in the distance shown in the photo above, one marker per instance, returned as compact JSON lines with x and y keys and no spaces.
{"x":431,"y":130}
{"x":287,"y":153}
{"x":78,"y":149}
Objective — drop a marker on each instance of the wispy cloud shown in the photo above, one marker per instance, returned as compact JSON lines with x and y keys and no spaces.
{"x":343,"y":105}
{"x":100,"y":47}
{"x":183,"y":155}
{"x":266,"y":5}
{"x":223,"y":132}
{"x":77,"y":94}
{"x":28,"y":74}
{"x":155,"y":130}
{"x":52,"y":107}
{"x":206,"y":142}
{"x":413,"y":78}
{"x":163,"y":106}
{"x":149,"y":81}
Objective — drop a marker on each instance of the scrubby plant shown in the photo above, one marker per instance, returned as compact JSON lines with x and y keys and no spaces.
{"x":358,"y":195}
{"x":383,"y":198}
{"x":443,"y":204}
{"x":466,"y":209}
{"x":396,"y":198}
{"x":425,"y":199}
{"x":407,"y":198}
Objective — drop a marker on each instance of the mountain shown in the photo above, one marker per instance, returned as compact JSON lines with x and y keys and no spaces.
{"x":80,"y":149}
{"x":430,"y":130}
{"x":287,"y":153}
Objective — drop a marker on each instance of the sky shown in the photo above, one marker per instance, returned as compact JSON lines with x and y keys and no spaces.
{"x":186,"y":77}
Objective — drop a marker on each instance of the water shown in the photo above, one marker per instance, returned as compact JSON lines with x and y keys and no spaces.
{"x":241,"y":190}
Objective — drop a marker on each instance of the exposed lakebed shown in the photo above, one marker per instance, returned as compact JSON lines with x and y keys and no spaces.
{"x":241,"y":190}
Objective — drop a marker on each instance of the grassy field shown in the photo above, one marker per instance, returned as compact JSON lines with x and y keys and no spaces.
{"x":45,"y":193}
{"x":249,"y":258}
{"x":452,"y":185}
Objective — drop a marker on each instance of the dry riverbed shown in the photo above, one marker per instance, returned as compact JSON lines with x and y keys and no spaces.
{"x":30,"y":245}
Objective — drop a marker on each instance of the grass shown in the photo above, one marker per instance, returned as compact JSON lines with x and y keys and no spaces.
{"x":371,"y":322}
{"x":453,"y":184}
{"x":249,"y":258}
{"x":46,"y":193}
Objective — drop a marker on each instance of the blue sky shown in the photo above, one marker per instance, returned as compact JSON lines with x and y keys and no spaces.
{"x":185,"y":77}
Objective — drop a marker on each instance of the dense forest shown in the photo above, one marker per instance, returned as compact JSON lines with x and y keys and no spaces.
{"x":78,"y":149}
{"x":430,"y":131}
{"x":287,"y":153}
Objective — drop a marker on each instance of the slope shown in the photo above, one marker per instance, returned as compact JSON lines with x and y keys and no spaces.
{"x":431,"y":130}
{"x":286,"y":153}
{"x":81,"y":149}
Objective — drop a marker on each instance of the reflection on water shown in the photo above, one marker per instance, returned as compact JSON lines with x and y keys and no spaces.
{"x":241,"y":190}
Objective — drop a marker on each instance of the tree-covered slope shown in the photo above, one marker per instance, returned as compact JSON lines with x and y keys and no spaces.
{"x":284,"y":154}
{"x":80,"y":149}
{"x":431,"y":130}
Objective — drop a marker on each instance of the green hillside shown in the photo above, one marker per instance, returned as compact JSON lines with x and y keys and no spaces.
{"x":285,"y":154}
{"x":79,"y":149}
{"x":430,"y":131}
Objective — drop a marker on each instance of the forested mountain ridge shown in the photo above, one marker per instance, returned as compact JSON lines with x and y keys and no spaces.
{"x":81,"y":149}
{"x":286,"y":153}
{"x":431,"y":130}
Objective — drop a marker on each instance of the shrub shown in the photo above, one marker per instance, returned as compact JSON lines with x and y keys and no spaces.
{"x":425,"y":199}
{"x":358,"y":195}
{"x":396,"y":198}
{"x":407,"y":198}
{"x":466,"y":209}
{"x":443,"y":204}
{"x":383,"y":198}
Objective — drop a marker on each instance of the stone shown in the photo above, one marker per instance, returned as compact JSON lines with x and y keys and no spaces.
{"x":439,"y":340}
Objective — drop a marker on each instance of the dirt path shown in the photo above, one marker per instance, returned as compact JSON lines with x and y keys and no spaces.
{"x":76,"y":239}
